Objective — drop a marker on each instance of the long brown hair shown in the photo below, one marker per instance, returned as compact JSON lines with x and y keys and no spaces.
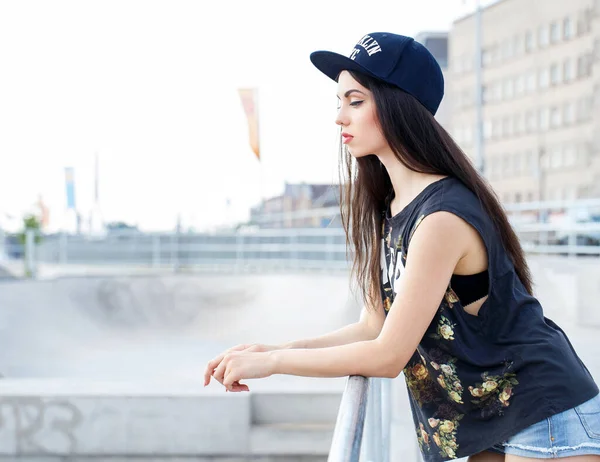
{"x":422,"y":145}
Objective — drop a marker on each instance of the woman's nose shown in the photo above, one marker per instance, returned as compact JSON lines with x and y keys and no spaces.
{"x":341,"y":119}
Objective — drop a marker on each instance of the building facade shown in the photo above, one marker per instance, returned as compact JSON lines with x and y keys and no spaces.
{"x":541,"y":97}
{"x":437,"y":44}
{"x":301,"y":205}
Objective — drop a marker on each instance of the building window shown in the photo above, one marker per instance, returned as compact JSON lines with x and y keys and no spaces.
{"x":518,"y":124}
{"x":543,"y":36}
{"x":507,"y":49}
{"x":517,"y":164}
{"x":529,"y":42}
{"x":544,"y":78}
{"x":531,"y":82}
{"x":582,"y":154}
{"x":584,"y":109}
{"x":530,"y":166}
{"x":568,"y":113}
{"x":506,"y":165}
{"x":570,"y":155}
{"x":497,"y":91}
{"x":530,"y":122}
{"x":542,"y":159}
{"x":543,"y":116}
{"x":486,"y":58}
{"x":508,"y":88}
{"x":583,"y":192}
{"x":517,"y":45}
{"x":555,"y":76}
{"x":556,"y":160}
{"x":554,"y":32}
{"x":494,"y":54}
{"x":555,"y":117}
{"x":580,"y":67}
{"x":506,"y":127}
{"x":496,"y":128}
{"x":520,"y":85}
{"x":487,"y":129}
{"x":584,"y":65}
{"x":485,"y":94}
{"x":567,"y":28}
{"x":568,"y":70}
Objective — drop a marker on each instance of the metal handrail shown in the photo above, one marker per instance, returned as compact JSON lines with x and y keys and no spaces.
{"x":365,"y":409}
{"x":348,"y":433}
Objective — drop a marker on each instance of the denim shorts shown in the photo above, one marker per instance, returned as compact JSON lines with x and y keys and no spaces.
{"x":575,"y":432}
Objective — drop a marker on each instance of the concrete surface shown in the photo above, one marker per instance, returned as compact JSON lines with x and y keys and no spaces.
{"x":159,"y":327}
{"x":71,"y":418}
{"x":125,"y":348}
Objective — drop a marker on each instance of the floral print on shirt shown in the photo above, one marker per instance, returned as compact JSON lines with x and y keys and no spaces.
{"x":445,"y":329}
{"x":493,"y":393}
{"x":441,"y":430}
{"x":433,"y":375}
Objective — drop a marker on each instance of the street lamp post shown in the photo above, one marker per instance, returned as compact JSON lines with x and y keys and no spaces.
{"x":479,"y":161}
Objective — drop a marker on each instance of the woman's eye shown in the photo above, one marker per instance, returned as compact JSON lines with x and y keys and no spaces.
{"x":356,"y":103}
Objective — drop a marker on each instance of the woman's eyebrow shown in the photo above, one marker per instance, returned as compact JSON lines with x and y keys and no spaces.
{"x":349,"y":92}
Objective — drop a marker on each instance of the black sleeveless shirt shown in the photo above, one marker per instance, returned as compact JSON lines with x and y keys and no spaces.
{"x":475,"y":381}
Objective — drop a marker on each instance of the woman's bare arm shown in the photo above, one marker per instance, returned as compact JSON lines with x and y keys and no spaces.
{"x":367,"y":328}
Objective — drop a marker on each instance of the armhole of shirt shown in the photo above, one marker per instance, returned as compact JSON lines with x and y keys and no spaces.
{"x":439,"y":206}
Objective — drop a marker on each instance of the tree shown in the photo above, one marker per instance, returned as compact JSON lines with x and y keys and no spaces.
{"x":33,"y":223}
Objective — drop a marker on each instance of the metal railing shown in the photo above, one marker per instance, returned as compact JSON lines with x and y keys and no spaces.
{"x":264,"y":250}
{"x":364,"y":413}
{"x":348,"y":433}
{"x":365,"y":403}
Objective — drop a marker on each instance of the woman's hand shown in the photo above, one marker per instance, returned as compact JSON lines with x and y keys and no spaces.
{"x":214,"y":363}
{"x":239,"y":365}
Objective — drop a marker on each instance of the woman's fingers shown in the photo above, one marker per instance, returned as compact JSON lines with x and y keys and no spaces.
{"x":214,"y":363}
{"x":219,"y":372}
{"x":237,"y":386}
{"x":210,"y":368}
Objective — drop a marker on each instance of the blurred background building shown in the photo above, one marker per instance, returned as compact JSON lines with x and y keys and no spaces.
{"x":541,"y":97}
{"x":437,"y":44}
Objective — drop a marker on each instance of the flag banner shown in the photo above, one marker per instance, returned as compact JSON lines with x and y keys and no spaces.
{"x":70,"y":185}
{"x":249,"y":98}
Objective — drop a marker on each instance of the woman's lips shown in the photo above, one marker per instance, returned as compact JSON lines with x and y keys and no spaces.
{"x":346,"y":138}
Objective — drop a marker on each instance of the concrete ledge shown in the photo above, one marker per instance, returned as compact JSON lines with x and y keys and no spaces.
{"x":295,"y":439}
{"x":295,"y":408}
{"x":133,"y":426}
{"x":286,"y":458}
{"x":41,"y":422}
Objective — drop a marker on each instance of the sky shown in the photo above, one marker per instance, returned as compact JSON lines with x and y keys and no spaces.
{"x":150,"y":87}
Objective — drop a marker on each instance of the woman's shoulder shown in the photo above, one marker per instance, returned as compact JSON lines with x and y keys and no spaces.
{"x":453,"y":195}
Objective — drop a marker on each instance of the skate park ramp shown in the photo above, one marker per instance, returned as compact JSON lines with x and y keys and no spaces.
{"x":158,"y":327}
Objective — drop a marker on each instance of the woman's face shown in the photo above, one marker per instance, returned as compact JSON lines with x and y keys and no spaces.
{"x":357,"y":116}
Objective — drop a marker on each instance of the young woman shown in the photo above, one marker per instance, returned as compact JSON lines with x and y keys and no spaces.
{"x":448,"y":292}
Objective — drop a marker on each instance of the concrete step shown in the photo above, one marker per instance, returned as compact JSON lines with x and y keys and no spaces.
{"x":291,"y":439}
{"x":295,"y":408}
